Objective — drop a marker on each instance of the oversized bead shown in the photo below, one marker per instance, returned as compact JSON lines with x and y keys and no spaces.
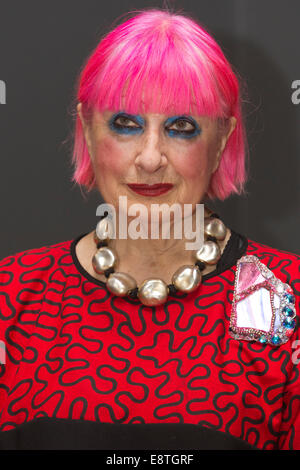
{"x":209,"y":253}
{"x":187,"y":278}
{"x":120,"y":283}
{"x":215,"y":228}
{"x":153,"y":292}
{"x":104,"y":230}
{"x":103,"y":259}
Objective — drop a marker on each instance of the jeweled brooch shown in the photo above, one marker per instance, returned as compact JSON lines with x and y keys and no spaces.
{"x":263,"y":306}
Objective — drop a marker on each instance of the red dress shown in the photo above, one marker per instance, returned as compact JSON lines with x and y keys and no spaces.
{"x":75,"y":351}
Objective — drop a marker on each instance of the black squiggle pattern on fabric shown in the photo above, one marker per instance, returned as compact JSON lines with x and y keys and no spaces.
{"x":75,"y":351}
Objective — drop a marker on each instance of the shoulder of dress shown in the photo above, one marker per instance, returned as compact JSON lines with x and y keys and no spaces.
{"x":262,"y":249}
{"x":42,"y":258}
{"x":286,"y":262}
{"x":27,"y":278}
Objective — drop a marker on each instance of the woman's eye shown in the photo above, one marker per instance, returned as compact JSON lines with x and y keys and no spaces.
{"x":182,"y":125}
{"x":124,"y":122}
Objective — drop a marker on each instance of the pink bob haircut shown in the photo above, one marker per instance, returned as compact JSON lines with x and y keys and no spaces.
{"x":162,"y":62}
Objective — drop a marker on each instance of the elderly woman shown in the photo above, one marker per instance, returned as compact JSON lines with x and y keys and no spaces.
{"x":111,"y":336}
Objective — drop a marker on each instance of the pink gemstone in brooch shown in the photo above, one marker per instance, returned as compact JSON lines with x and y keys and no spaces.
{"x":263,"y":307}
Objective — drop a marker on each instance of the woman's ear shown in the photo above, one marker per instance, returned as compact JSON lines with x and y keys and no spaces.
{"x":86,"y":128}
{"x":225,"y":134}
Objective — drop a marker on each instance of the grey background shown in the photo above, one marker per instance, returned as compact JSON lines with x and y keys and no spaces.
{"x":42,"y":47}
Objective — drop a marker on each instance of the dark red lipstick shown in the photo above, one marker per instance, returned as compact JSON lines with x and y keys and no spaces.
{"x":150,"y":189}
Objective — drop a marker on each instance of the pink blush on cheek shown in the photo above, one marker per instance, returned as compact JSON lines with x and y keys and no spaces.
{"x":193,"y":164}
{"x":109,"y":155}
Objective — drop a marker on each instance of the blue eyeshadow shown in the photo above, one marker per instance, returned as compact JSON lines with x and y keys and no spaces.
{"x":129,"y":129}
{"x":122,"y":129}
{"x":183,"y":134}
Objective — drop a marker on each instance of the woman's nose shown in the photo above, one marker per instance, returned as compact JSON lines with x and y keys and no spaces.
{"x":150,"y":156}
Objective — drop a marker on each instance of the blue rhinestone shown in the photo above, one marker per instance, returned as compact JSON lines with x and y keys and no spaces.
{"x":288,"y":323}
{"x":288,"y":311}
{"x":262,"y":339}
{"x":276,"y":339}
{"x":290,"y":298}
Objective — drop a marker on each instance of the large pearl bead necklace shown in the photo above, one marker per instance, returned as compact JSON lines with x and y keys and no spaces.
{"x":154,"y":292}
